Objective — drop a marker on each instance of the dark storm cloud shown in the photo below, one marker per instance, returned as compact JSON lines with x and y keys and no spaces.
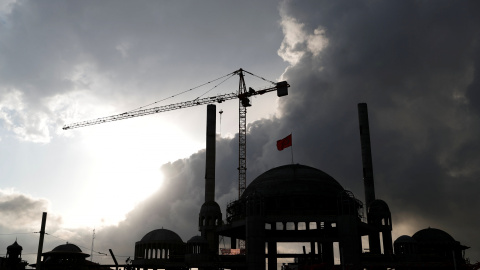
{"x":415,"y":64}
{"x":21,"y":217}
{"x":138,"y":43}
{"x":112,"y":49}
{"x":17,"y":208}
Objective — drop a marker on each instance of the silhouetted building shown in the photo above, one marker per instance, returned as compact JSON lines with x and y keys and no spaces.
{"x":288,"y":204}
{"x":159,"y":249}
{"x":429,"y":249}
{"x":297,"y":204}
{"x":67,"y":256}
{"x":13,"y":259}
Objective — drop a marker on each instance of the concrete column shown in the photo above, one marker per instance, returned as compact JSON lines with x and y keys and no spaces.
{"x":349,"y":240}
{"x":255,"y":234}
{"x":374,"y":242}
{"x":312,"y":250}
{"x":387,"y":242}
{"x":327,"y":248}
{"x":272,"y":255}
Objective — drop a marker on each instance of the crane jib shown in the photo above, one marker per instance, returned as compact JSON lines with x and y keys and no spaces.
{"x":281,"y":88}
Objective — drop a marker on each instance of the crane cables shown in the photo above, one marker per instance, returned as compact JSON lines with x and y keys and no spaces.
{"x":227,"y":76}
{"x":186,"y":91}
{"x":272,"y":82}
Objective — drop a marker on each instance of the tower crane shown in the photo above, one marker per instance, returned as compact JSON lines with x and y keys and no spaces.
{"x":243,"y":95}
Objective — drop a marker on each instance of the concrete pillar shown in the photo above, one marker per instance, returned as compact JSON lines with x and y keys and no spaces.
{"x":312,"y":250}
{"x":255,"y":234}
{"x":327,"y":248}
{"x":350,"y":240}
{"x":328,"y":254}
{"x":387,"y":242}
{"x":272,"y":255}
{"x":374,"y":242}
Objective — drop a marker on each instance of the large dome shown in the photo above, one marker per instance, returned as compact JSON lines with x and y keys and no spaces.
{"x":161,"y":236}
{"x":297,"y":189}
{"x":293,"y":179}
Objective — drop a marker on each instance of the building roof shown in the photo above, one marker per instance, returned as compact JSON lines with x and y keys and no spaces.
{"x":14,"y":246}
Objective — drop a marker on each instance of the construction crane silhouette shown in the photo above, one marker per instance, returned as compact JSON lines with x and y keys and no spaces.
{"x":244,"y":101}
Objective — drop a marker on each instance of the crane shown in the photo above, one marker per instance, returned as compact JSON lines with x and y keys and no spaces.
{"x":243,"y":95}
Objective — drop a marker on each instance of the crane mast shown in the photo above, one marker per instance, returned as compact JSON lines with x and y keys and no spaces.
{"x":243,"y":103}
{"x":243,"y":97}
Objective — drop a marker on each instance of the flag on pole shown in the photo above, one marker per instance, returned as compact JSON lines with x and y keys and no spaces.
{"x":284,"y":143}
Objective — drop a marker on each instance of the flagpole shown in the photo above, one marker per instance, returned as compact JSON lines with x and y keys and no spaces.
{"x":291,"y":148}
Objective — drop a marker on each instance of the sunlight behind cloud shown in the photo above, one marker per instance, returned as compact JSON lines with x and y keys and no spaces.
{"x":297,"y":40}
{"x":124,"y":166}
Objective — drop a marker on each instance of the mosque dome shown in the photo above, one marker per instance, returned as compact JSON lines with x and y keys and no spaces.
{"x":65,"y":250}
{"x":71,"y":248}
{"x":379,"y":207}
{"x":293,"y":179}
{"x":159,"y":245}
{"x":405,"y":239}
{"x":431,"y":235}
{"x":163,"y":236}
{"x":297,"y":190}
{"x":210,"y":208}
{"x":197,"y":240}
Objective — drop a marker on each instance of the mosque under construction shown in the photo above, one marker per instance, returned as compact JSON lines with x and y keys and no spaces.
{"x":288,"y":204}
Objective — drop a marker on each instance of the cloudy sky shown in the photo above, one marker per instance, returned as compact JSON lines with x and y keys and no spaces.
{"x":416,"y":64}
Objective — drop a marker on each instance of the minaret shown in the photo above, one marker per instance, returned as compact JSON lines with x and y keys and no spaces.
{"x":378,"y":213}
{"x":210,"y":213}
{"x":210,"y":154}
{"x":366,"y":154}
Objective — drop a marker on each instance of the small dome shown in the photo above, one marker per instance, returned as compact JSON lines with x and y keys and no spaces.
{"x":14,"y":246}
{"x":405,"y":239}
{"x":197,"y":240}
{"x":163,"y":236}
{"x":210,"y":208}
{"x":66,"y":250}
{"x":70,"y":248}
{"x":431,"y":235}
{"x":379,"y":207}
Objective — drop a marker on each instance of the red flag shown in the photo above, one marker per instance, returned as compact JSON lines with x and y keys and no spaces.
{"x":284,"y":143}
